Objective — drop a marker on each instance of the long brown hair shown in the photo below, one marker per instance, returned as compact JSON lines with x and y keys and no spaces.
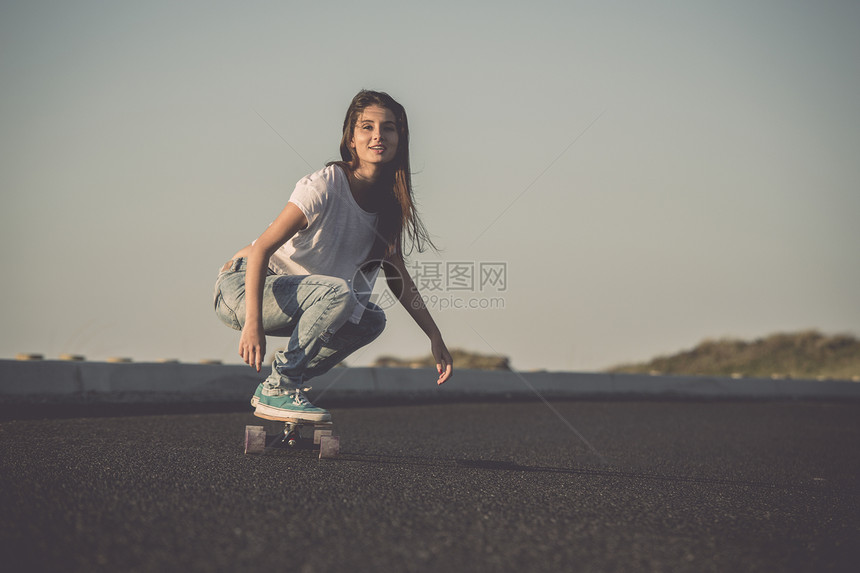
{"x":399,"y":225}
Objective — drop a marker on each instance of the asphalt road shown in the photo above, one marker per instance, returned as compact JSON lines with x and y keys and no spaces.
{"x":668,"y":486}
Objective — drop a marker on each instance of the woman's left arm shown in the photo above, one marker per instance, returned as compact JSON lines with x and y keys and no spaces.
{"x":407,"y":293}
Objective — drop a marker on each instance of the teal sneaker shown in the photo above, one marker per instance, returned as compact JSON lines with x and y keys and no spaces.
{"x":288,"y":405}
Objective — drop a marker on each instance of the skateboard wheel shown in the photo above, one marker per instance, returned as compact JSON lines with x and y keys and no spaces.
{"x":320,"y":431}
{"x":255,"y":439}
{"x":329,"y":447}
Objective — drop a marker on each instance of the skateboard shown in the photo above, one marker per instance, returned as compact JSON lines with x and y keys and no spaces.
{"x":292,"y":436}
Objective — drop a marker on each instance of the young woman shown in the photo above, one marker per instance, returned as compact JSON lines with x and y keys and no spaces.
{"x":300,"y":277}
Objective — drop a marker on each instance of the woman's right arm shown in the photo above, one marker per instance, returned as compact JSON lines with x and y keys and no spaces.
{"x":252,"y":344}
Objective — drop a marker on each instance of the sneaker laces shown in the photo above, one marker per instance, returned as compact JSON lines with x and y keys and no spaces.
{"x":300,"y":399}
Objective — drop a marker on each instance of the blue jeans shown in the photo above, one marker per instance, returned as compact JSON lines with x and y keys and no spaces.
{"x":312,"y":310}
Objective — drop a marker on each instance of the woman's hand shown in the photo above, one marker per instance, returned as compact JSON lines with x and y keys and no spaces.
{"x":444,"y":362}
{"x":252,"y":345}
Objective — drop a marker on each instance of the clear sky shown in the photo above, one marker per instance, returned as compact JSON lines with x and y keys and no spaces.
{"x":650,"y":173}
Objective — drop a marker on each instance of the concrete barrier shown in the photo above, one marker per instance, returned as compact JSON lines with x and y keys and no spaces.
{"x":100,"y":382}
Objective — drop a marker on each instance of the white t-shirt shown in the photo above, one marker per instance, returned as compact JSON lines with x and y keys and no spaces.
{"x":338,"y":238}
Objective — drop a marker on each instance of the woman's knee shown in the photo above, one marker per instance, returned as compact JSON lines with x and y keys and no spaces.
{"x":373,"y":320}
{"x":340,"y":296}
{"x":339,"y":288}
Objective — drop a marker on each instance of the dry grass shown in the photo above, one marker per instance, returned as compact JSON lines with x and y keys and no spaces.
{"x":807,"y":354}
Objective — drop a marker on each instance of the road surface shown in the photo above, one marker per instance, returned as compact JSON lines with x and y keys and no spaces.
{"x":526,"y":486}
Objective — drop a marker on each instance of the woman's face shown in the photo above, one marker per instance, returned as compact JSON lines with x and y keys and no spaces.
{"x":375,"y":136}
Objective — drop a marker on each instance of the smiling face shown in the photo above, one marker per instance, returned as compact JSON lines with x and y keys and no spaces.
{"x":375,"y":136}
